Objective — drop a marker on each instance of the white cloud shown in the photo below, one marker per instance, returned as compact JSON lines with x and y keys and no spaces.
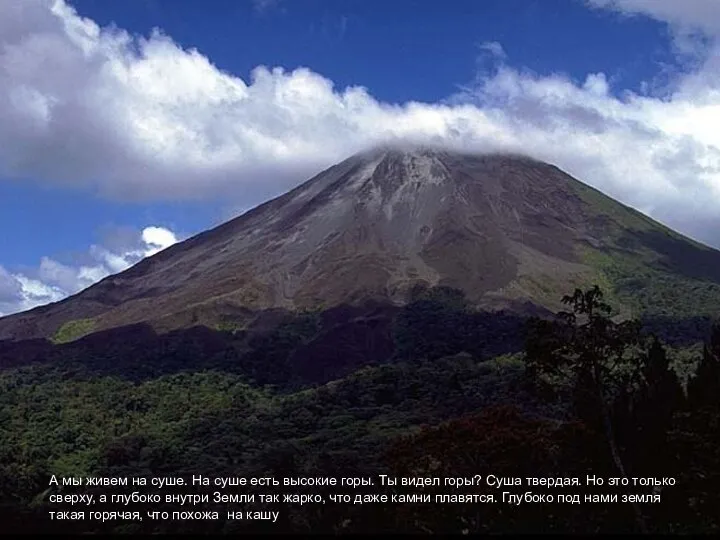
{"x":493,"y":48}
{"x":52,"y":280}
{"x":144,"y":118}
{"x":683,"y":15}
{"x":156,"y":239}
{"x":10,"y":288}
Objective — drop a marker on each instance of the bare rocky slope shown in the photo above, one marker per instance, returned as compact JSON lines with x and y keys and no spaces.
{"x":509,"y":231}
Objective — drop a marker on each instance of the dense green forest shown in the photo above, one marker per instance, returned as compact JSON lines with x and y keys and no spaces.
{"x":431,"y":390}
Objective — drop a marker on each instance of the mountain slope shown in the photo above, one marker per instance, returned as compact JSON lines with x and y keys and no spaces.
{"x":507,"y":230}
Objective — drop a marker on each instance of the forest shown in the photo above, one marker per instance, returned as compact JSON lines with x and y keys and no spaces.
{"x":434,"y":389}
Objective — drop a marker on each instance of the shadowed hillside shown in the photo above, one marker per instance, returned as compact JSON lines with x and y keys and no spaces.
{"x":434,"y":388}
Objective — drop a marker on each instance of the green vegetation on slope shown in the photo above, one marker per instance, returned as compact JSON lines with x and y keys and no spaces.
{"x":622,"y":216}
{"x":73,"y":330}
{"x":214,"y":422}
{"x":646,"y":266}
{"x":648,"y":290}
{"x":446,"y":401}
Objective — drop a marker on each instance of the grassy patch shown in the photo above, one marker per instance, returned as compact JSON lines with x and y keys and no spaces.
{"x":231,"y":327}
{"x":72,"y":330}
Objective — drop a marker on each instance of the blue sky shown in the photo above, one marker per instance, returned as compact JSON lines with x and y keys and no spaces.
{"x":125,"y":126}
{"x":401,"y":50}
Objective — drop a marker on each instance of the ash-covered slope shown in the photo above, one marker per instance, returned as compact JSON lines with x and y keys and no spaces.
{"x":507,"y":230}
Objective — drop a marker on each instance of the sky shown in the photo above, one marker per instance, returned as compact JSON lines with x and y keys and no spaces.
{"x":128,"y":126}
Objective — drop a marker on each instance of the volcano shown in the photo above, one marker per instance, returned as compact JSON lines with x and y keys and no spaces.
{"x":511,"y":232}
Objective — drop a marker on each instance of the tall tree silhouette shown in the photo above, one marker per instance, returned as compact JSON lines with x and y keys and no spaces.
{"x":650,"y":416}
{"x":597,"y":356}
{"x":704,"y":387}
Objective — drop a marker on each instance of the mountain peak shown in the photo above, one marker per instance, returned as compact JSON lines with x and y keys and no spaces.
{"x":505,"y":229}
{"x":423,"y":160}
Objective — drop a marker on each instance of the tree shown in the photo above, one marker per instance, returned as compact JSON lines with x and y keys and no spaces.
{"x":499,"y":440}
{"x":661,"y":390}
{"x":649,"y":416}
{"x":704,"y":387}
{"x":596,"y":355}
